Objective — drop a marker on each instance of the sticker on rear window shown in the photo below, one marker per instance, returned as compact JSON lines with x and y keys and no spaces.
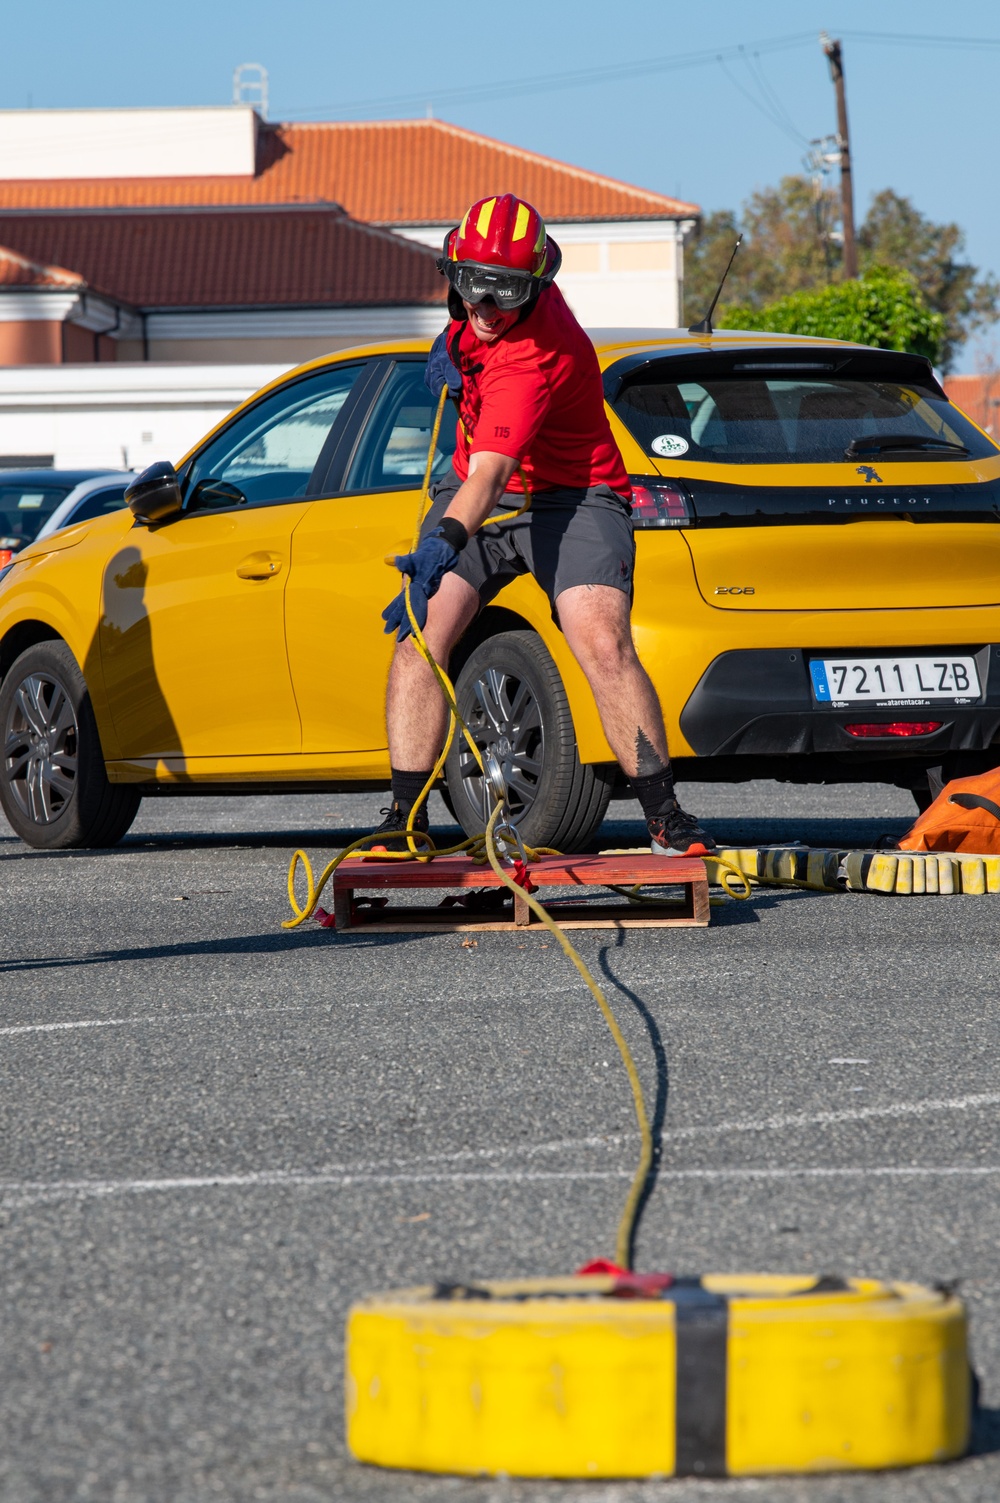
{"x":670,"y":445}
{"x":31,"y":501}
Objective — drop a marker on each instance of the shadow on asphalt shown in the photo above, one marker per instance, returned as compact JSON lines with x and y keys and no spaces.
{"x":239,"y":944}
{"x":307,"y":840}
{"x":659,"y":1111}
{"x":848,"y":834}
{"x":985,"y":1432}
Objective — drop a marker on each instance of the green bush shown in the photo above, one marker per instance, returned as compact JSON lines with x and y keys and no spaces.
{"x":884,"y":308}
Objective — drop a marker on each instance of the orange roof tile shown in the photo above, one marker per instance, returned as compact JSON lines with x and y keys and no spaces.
{"x":20,"y":271}
{"x":390,"y":172}
{"x":979,"y":396}
{"x":229,"y":258}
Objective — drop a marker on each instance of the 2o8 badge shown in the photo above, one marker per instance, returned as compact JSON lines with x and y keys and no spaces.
{"x":670,"y":445}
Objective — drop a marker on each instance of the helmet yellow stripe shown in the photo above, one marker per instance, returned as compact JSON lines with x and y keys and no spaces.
{"x":540,"y":246}
{"x":521,"y":222}
{"x":485,"y":215}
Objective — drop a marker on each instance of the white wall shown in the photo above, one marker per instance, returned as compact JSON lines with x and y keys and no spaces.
{"x":118,"y":415}
{"x":262,"y":335}
{"x":181,"y":142}
{"x":615,"y":273}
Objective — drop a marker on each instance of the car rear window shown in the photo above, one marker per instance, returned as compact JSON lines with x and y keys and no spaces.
{"x":23,"y":510}
{"x":751,"y":411}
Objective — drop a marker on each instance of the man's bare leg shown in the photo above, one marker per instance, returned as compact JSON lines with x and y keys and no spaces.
{"x":416,"y":714}
{"x":596,"y":623}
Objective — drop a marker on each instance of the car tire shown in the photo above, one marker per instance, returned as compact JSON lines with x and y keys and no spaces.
{"x":442,"y":788}
{"x":53,"y":786}
{"x":512,"y":699}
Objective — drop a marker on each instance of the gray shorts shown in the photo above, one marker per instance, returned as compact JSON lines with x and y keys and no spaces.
{"x":567,"y":538}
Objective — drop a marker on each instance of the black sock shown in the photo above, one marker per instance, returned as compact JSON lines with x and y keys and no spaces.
{"x":655,"y":791}
{"x":406,"y":787}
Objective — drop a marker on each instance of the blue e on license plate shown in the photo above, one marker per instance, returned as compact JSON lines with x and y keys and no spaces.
{"x":893,"y":681}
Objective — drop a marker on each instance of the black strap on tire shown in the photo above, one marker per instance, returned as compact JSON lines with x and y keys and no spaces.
{"x":702,"y":1355}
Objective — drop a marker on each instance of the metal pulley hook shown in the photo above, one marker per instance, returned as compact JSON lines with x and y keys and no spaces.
{"x":497,"y":787}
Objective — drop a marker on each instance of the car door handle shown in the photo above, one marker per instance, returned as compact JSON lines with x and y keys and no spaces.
{"x":259,"y":566}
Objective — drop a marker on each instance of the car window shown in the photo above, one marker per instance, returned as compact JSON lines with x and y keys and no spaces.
{"x":97,"y":504}
{"x":393,"y":449}
{"x":741,"y":418}
{"x":270,"y":452}
{"x":24,"y":509}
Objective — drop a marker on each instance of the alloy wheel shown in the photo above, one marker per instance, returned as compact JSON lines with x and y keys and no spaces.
{"x":505,"y":715}
{"x":41,"y":748}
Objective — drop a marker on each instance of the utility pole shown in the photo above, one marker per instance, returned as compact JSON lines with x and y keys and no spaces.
{"x":835,"y":58}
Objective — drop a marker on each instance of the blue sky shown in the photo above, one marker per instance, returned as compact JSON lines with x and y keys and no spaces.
{"x":922,"y":114}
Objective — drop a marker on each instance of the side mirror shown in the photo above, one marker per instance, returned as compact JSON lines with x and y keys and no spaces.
{"x":155,"y":495}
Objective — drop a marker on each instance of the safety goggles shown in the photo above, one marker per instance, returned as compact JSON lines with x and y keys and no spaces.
{"x":473,"y":282}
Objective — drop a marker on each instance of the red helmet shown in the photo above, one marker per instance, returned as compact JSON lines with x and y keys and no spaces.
{"x":500,"y":250}
{"x":501,"y":231}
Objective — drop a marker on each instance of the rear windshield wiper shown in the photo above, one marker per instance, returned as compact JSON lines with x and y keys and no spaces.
{"x":916,"y":443}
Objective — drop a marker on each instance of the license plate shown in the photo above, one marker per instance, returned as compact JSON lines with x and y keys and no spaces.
{"x":895,"y":681}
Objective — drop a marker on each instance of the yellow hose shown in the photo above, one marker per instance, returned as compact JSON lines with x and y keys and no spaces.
{"x":626,"y":1226}
{"x":483,"y":848}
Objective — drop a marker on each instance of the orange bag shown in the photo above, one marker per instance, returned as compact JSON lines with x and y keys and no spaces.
{"x":965,"y":816}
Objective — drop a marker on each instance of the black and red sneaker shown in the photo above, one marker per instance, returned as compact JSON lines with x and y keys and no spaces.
{"x":678,"y":834}
{"x":391,"y":833}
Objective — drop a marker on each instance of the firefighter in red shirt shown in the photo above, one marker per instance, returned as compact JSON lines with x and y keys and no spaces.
{"x":531,"y":411}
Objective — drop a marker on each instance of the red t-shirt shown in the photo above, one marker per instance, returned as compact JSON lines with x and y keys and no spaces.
{"x":536,"y":395}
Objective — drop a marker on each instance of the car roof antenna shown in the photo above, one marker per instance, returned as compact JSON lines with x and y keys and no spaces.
{"x":705,"y":327}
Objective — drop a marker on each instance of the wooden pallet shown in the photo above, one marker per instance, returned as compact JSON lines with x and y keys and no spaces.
{"x":362,"y":874}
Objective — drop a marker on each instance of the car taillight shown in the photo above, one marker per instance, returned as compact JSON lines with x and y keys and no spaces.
{"x":659,"y":504}
{"x":6,"y":554}
{"x":895,"y":728}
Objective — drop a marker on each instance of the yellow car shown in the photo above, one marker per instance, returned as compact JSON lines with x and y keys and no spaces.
{"x":817,"y":596}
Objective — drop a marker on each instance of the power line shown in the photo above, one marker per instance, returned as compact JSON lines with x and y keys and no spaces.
{"x":575,"y":79}
{"x":765,"y":108}
{"x":916,"y":39}
{"x":624,"y":72}
{"x":769,"y":92}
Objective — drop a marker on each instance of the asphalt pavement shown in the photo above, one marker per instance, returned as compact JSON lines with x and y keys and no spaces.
{"x":216,"y":1134}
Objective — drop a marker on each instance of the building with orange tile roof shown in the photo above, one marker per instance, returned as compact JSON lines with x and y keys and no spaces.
{"x":410,"y":180}
{"x":49,"y":315}
{"x":979,"y":396}
{"x":283,"y":283}
{"x":389,"y":172}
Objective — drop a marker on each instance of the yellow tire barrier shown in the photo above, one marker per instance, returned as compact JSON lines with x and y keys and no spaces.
{"x":905,"y":873}
{"x":727,"y":1374}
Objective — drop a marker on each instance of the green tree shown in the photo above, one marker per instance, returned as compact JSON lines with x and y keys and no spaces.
{"x":897,"y":234}
{"x":786,"y":248}
{"x":884,"y":307}
{"x":792,"y":244}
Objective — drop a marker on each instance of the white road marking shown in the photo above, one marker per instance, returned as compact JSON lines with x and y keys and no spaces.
{"x":15,"y":1193}
{"x":175,"y":1017}
{"x":710,"y":1129}
{"x":848,"y":1114}
{"x":58,"y":1027}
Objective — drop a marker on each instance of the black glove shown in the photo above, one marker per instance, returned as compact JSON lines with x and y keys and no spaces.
{"x":426,"y":567}
{"x":441,"y":369}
